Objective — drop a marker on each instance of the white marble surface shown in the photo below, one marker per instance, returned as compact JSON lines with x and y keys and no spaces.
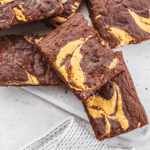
{"x":25,"y":117}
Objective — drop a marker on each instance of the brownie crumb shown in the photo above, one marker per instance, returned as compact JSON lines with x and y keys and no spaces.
{"x":66,"y":92}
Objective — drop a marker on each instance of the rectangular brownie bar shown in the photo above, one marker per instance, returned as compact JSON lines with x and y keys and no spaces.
{"x":13,"y":12}
{"x":22,"y":65}
{"x":75,"y":51}
{"x":96,"y":75}
{"x":70,"y":7}
{"x":121,"y":22}
{"x":115,"y":108}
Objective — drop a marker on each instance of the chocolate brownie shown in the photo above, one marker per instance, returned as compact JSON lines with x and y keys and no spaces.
{"x":121,"y":22}
{"x":115,"y":108}
{"x":75,"y":51}
{"x":70,"y":8}
{"x":14,"y":12}
{"x":22,"y":65}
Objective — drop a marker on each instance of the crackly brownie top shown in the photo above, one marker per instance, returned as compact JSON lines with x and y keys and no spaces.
{"x":13,"y":12}
{"x":21,"y":64}
{"x":115,"y":107}
{"x":82,"y":59}
{"x":70,"y":8}
{"x":121,"y":22}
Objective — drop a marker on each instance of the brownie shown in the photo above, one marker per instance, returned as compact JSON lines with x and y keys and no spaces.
{"x":121,"y":22}
{"x":70,"y":8}
{"x":75,"y":51}
{"x":13,"y":12}
{"x":115,"y":108}
{"x":22,"y":65}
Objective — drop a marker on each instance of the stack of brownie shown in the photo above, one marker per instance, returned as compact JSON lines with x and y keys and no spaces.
{"x":80,"y":56}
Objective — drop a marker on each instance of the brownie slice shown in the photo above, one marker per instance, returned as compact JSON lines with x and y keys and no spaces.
{"x":75,"y":51}
{"x":115,"y":108}
{"x":13,"y":12}
{"x":22,"y":65}
{"x":70,"y":8}
{"x":121,"y":22}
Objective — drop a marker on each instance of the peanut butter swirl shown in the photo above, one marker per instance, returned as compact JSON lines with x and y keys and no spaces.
{"x":113,"y":63}
{"x":5,"y":1}
{"x":31,"y":80}
{"x":19,"y":15}
{"x":143,"y":23}
{"x":77,"y":75}
{"x":107,"y":108}
{"x":122,"y":35}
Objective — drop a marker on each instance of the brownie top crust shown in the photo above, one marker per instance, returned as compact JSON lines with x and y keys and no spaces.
{"x":121,"y":22}
{"x":79,"y":56}
{"x":14,"y":12}
{"x":21,"y":64}
{"x":115,"y":108}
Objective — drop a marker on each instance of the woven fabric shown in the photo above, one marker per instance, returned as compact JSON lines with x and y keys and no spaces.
{"x":69,"y":135}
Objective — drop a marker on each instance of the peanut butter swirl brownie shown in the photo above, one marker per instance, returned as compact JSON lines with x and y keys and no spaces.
{"x":121,"y":22}
{"x":115,"y":108}
{"x":75,"y":51}
{"x":22,"y":65}
{"x":14,"y":12}
{"x":70,"y":7}
{"x":96,"y":75}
